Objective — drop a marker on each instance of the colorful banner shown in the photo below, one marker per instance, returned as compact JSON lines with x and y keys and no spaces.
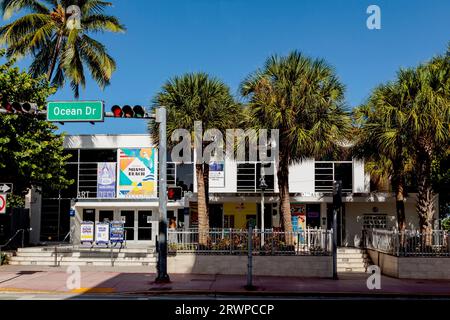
{"x":137,"y":173}
{"x":217,"y":174}
{"x":87,"y":232}
{"x":106,"y":180}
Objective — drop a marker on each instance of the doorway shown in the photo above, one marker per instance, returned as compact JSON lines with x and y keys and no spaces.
{"x":139,"y":225}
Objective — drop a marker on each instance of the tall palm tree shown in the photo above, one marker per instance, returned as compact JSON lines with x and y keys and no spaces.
{"x":59,"y":51}
{"x":428,"y":126}
{"x":382,"y":139}
{"x":198,"y":97}
{"x":303,"y":98}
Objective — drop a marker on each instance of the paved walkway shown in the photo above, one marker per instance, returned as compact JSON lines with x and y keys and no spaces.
{"x":135,"y":280}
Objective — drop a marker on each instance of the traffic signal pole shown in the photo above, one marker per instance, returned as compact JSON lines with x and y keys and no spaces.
{"x":162,"y":276}
{"x":337,"y":203}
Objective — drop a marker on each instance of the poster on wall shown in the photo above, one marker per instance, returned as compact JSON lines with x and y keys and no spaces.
{"x":102,"y":233}
{"x":298,"y":214}
{"x":87,"y":232}
{"x":217,"y":174}
{"x":137,"y":173}
{"x":106,"y":180}
{"x":116,"y":232}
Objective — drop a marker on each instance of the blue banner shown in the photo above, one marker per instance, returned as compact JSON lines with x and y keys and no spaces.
{"x":106,"y":180}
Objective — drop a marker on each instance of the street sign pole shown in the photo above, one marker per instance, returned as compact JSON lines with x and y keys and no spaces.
{"x":162,"y":276}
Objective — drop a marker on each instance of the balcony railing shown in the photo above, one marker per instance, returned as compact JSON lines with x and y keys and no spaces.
{"x":268,"y":242}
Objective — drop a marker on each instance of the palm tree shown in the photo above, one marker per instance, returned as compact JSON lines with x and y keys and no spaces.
{"x":428,"y":126}
{"x":381,"y":139}
{"x":303,"y":98}
{"x":198,"y":97}
{"x":44,"y":33}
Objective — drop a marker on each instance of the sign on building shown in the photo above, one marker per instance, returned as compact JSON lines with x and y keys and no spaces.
{"x":87,"y":232}
{"x":137,"y":173}
{"x":102,"y":233}
{"x":106,"y":180}
{"x":217,"y":174}
{"x":2,"y":203}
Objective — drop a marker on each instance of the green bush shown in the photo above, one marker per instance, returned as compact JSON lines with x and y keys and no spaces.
{"x":3,"y":259}
{"x":446,"y":223}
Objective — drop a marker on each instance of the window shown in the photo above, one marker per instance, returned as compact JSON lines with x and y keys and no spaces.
{"x":228,"y":221}
{"x":98,"y":155}
{"x":375,"y":221}
{"x":249,"y":174}
{"x":326,"y":172}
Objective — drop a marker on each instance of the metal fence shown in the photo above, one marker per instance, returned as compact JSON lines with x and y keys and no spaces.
{"x":236,"y":242}
{"x":408,"y":243}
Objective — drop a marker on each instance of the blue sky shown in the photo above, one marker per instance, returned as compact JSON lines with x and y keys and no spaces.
{"x":231,"y":38}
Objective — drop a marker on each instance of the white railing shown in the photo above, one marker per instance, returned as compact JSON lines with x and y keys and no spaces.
{"x":236,"y":241}
{"x":408,"y":242}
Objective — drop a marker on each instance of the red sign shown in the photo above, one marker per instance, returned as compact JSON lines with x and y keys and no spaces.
{"x":2,"y":203}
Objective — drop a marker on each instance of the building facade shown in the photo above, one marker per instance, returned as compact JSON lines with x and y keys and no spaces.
{"x":116,"y":178}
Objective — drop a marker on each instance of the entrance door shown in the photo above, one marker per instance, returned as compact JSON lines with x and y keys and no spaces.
{"x":127,"y":216}
{"x":145,"y":223}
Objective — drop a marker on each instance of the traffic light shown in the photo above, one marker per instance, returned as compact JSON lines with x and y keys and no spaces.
{"x":20,"y":107}
{"x":128,"y":112}
{"x":337,"y":193}
{"x":174,"y":193}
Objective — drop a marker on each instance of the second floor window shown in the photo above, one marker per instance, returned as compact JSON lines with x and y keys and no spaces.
{"x":326,"y":172}
{"x":249,"y":174}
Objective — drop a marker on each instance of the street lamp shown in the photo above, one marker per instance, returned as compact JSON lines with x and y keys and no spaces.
{"x":263,"y":186}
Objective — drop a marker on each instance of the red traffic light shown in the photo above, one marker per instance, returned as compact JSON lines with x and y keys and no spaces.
{"x":174,"y":193}
{"x":8,"y":107}
{"x":128,"y":111}
{"x":117,"y":111}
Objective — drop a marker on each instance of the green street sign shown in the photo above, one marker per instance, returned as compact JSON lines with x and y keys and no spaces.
{"x":75,"y":111}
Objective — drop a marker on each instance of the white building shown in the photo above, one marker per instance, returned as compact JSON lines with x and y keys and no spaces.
{"x":130,"y":193}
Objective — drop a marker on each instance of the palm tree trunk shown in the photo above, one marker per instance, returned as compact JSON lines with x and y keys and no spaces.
{"x":203,"y":218}
{"x":206,"y":181}
{"x":399,"y":189}
{"x":285,"y":202}
{"x":400,"y":209}
{"x":425,"y":199}
{"x":52,"y":65}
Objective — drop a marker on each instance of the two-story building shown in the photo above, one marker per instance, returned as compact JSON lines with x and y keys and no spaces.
{"x":116,"y":178}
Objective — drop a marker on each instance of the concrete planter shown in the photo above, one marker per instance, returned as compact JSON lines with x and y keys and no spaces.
{"x":411,"y":267}
{"x":295,"y":266}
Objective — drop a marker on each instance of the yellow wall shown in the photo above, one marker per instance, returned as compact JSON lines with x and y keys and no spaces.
{"x":239,"y":210}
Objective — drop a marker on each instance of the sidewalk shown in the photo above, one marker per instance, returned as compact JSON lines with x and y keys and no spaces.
{"x":132,"y":280}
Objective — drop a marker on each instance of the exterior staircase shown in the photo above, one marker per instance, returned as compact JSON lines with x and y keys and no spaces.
{"x":352,"y":260}
{"x":68,"y":255}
